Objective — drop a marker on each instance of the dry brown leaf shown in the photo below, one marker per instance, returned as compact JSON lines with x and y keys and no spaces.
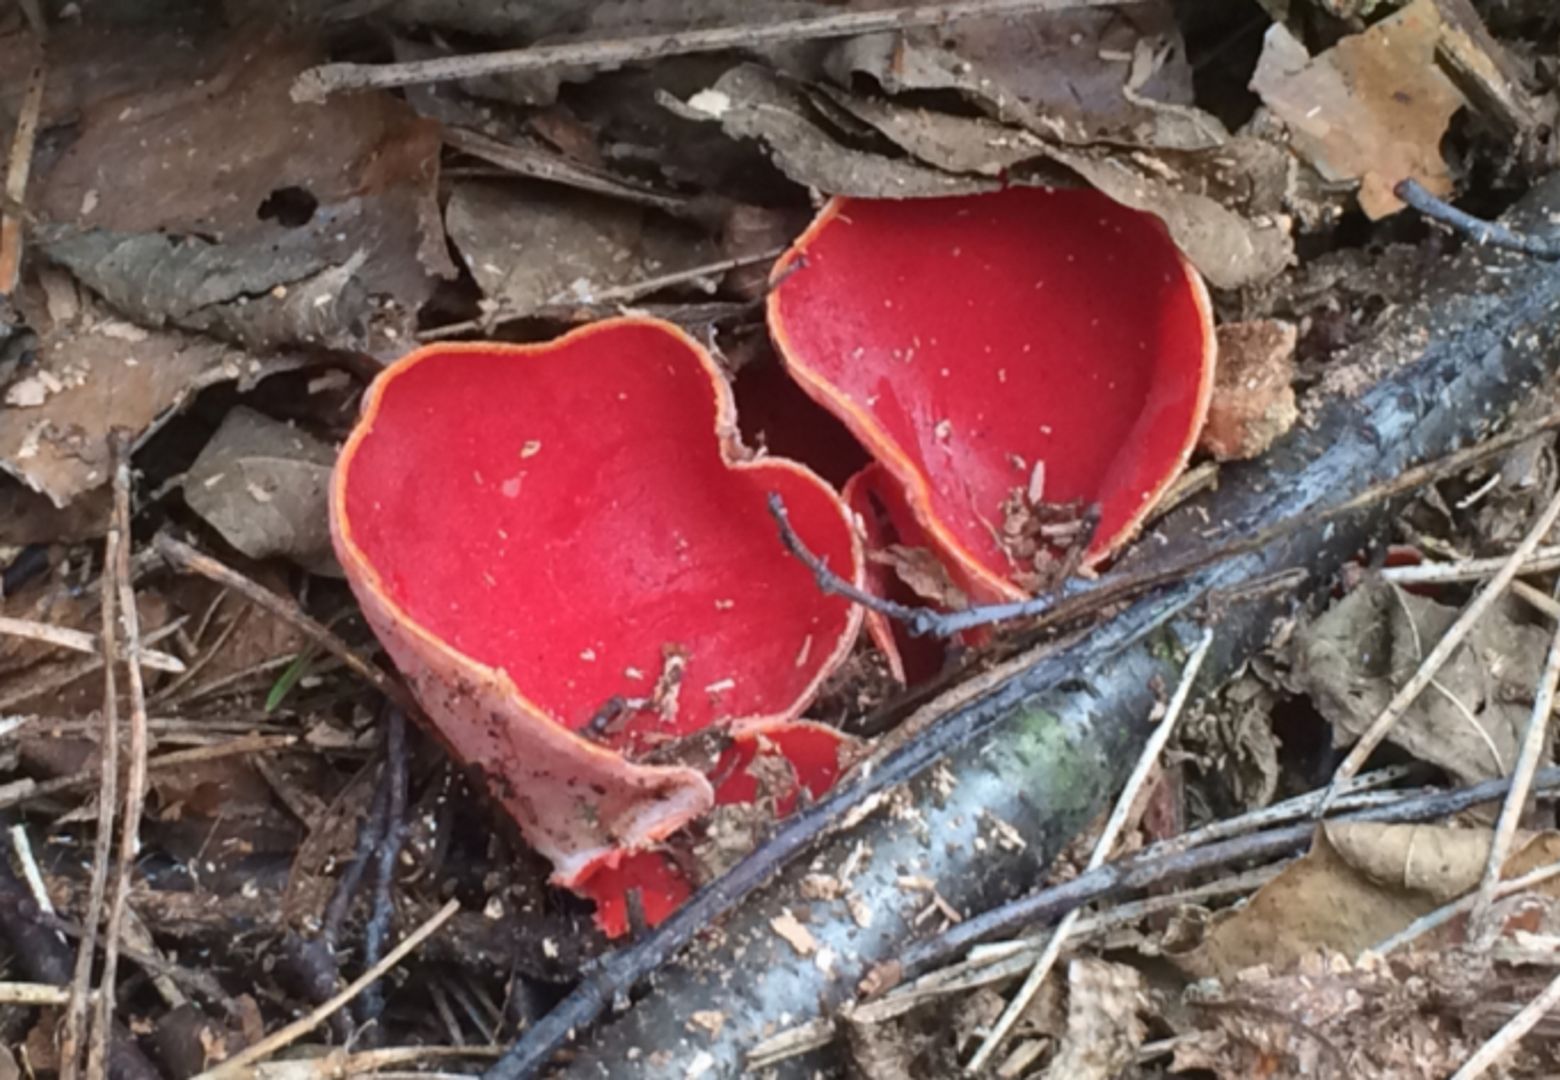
{"x":1253,"y":397}
{"x":89,"y":63}
{"x":262,"y":484}
{"x":1327,"y":1019}
{"x":1320,"y":901}
{"x":752,"y":103}
{"x":530,"y":244}
{"x":212,"y":201}
{"x":92,"y":376}
{"x":1371,"y":109}
{"x":1360,"y":884}
{"x":1222,"y":205}
{"x":257,"y":639}
{"x":1105,"y":1026}
{"x":924,"y":574}
{"x":958,"y":144}
{"x":1077,"y":76}
{"x":1469,"y":721}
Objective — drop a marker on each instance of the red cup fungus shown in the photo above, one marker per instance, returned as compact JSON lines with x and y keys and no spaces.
{"x":762,"y":775}
{"x":567,"y":551}
{"x":1005,"y":356}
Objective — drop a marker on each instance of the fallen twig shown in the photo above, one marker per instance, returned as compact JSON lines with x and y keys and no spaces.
{"x":374,"y":1063}
{"x":997,"y":962}
{"x":108,"y":786}
{"x":316,"y":83}
{"x":1535,"y":743}
{"x":174,"y":687}
{"x":1542,"y":561}
{"x":614,"y":294}
{"x":554,"y":168}
{"x":33,"y":994}
{"x":182,"y":556}
{"x":235,"y":1066}
{"x":1447,"y":912}
{"x":1448,"y":644}
{"x":1148,"y":868}
{"x":135,"y":778}
{"x":29,"y":790}
{"x":1114,"y":826}
{"x":18,"y":169}
{"x":1084,"y":596}
{"x":55,"y":676}
{"x":22,"y":846}
{"x":1484,"y":232}
{"x":80,"y":641}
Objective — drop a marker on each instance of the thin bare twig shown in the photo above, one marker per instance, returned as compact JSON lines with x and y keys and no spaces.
{"x":1359,"y":793}
{"x":1447,"y":912}
{"x":1438,"y":656}
{"x":55,"y":676}
{"x":80,"y":641}
{"x":538,"y":164}
{"x":108,"y":786}
{"x":1114,"y":826}
{"x":316,"y":83}
{"x":1541,"y":602}
{"x":1534,"y":743}
{"x":236,"y":1065}
{"x":172,"y":689}
{"x":18,"y":793}
{"x":1501,"y":1043}
{"x":135,"y":779}
{"x":18,"y":169}
{"x":1542,"y":561}
{"x":370,"y":835}
{"x":1149,"y":867}
{"x":182,"y":556}
{"x":629,"y":291}
{"x":33,"y":994}
{"x":30,"y":872}
{"x":1082,"y":597}
{"x":1477,"y":229}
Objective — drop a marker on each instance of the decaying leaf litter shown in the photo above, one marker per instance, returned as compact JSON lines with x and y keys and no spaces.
{"x":203,"y":268}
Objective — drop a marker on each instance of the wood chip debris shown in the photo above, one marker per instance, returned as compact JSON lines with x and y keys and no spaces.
{"x":789,"y":927}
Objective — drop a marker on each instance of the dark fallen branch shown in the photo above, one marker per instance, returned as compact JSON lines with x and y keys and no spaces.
{"x":1153,"y":867}
{"x":372,"y":1003}
{"x":1038,"y":745}
{"x":1476,"y":229}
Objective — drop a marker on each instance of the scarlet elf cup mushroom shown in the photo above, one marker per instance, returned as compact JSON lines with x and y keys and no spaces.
{"x":568,"y":553}
{"x":567,"y":550}
{"x":1002,"y":355}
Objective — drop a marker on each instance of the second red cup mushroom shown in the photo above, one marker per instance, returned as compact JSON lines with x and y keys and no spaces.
{"x":1011,"y":358}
